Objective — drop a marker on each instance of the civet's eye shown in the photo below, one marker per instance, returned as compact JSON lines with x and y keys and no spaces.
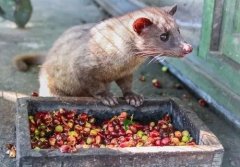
{"x":164,"y":37}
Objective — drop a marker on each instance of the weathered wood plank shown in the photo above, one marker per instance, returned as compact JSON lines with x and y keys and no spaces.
{"x":237,"y":18}
{"x":216,"y":26}
{"x":230,"y":36}
{"x":206,"y":32}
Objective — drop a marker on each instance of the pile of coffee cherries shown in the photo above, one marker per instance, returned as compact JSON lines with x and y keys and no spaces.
{"x":69,"y":131}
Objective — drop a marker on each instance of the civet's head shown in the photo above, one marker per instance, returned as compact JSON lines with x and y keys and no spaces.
{"x":157,"y":33}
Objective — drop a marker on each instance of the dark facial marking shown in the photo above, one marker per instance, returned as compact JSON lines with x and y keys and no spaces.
{"x":178,"y":30}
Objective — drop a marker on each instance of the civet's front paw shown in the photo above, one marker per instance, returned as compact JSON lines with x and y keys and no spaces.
{"x":108,"y":99}
{"x":134,"y":99}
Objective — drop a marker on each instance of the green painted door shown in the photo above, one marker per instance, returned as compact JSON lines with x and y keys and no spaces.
{"x":230,"y":44}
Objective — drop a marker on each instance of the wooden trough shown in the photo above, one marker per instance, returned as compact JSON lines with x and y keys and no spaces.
{"x":208,"y":152}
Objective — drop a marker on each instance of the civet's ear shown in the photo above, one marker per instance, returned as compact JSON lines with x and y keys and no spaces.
{"x":141,"y":23}
{"x":170,"y":9}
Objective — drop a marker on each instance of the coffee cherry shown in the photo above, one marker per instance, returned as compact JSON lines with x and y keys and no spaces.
{"x":86,"y":146}
{"x":123,"y":115}
{"x":81,"y":123}
{"x":56,"y":122}
{"x":167,"y":118}
{"x":156,"y":83}
{"x":164,"y":134}
{"x":70,"y":124}
{"x":142,"y":78}
{"x":133,"y":129}
{"x":47,"y":118}
{"x":129,"y":132}
{"x":65,"y":149}
{"x":98,"y":139}
{"x":110,"y":128}
{"x":35,"y":94}
{"x":36,"y":132}
{"x":185,"y":139}
{"x":138,"y":126}
{"x":165,"y":141}
{"x":42,"y":133}
{"x":158,"y":142}
{"x":124,"y":144}
{"x":32,"y":128}
{"x":42,"y":127}
{"x":92,"y":120}
{"x":52,"y":141}
{"x":185,"y":133}
{"x":178,"y":134}
{"x":89,"y":140}
{"x":78,"y":128}
{"x":88,"y":125}
{"x":140,"y":133}
{"x":114,"y":141}
{"x":139,"y":144}
{"x":156,"y":128}
{"x":71,"y":140}
{"x":164,"y":69}
{"x":115,"y":121}
{"x":122,"y":132}
{"x":151,"y":140}
{"x":86,"y":130}
{"x":30,"y":117}
{"x":164,"y":126}
{"x":145,"y":138}
{"x":171,"y":134}
{"x":182,"y":144}
{"x":102,"y":146}
{"x":59,"y":129}
{"x":151,"y":124}
{"x":161,"y":122}
{"x":60,"y":142}
{"x":113,"y":134}
{"x":66,"y":128}
{"x":154,"y":133}
{"x":83,"y":117}
{"x":202,"y":102}
{"x":93,"y":132}
{"x":175,"y":140}
{"x":62,"y":111}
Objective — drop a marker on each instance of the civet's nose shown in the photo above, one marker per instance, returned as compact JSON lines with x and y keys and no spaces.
{"x":186,"y":48}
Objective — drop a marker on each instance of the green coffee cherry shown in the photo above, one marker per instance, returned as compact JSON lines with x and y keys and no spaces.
{"x":59,"y":129}
{"x":185,"y":139}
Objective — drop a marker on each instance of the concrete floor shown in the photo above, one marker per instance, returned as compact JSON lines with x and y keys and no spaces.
{"x":49,"y":20}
